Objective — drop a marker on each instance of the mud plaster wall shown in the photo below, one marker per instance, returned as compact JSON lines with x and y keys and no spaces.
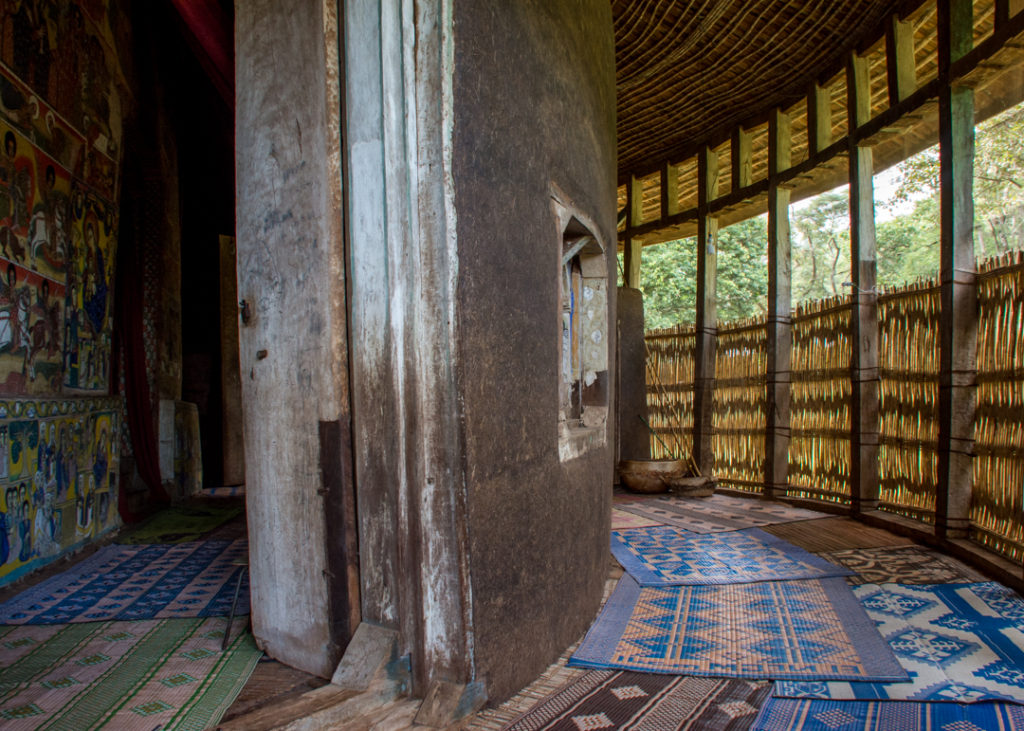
{"x":62,"y":96}
{"x":534,"y":106}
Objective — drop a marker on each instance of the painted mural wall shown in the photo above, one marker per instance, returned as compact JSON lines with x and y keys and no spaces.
{"x":61,"y":98}
{"x":58,"y":478}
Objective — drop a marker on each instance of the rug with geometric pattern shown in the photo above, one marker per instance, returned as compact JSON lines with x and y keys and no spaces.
{"x":138,"y":582}
{"x":622,"y":520}
{"x":796,"y":715}
{"x":668,"y":556}
{"x":958,"y":642}
{"x":715,"y":513}
{"x":904,"y":565}
{"x":605,"y":699}
{"x":809,"y":629}
{"x":155,"y":674}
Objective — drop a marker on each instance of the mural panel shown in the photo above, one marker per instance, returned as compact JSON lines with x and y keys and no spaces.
{"x":60,"y":123}
{"x":58,"y":478}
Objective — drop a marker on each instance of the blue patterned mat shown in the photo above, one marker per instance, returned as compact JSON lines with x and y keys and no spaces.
{"x":811,"y":629}
{"x":796,"y":715}
{"x":958,"y":642}
{"x":161,"y":581}
{"x":667,"y":556}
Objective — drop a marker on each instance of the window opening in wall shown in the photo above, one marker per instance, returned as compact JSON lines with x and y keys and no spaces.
{"x":583,"y":294}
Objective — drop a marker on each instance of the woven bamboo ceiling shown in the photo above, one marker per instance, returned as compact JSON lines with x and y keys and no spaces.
{"x":690,"y":69}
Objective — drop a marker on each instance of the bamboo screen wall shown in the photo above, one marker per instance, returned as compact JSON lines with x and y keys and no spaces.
{"x":820,"y":413}
{"x":996,"y":502}
{"x":671,"y":354}
{"x":739,"y":418}
{"x":819,"y":446}
{"x":908,"y":358}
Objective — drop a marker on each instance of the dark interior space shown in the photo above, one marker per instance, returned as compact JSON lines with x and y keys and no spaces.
{"x":203,"y":127}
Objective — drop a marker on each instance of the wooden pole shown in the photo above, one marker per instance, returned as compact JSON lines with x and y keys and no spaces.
{"x":669,"y":190}
{"x":741,"y":158}
{"x":864,"y":375}
{"x":632,"y":249}
{"x":819,"y":119}
{"x":780,"y":334}
{"x":901,"y":68}
{"x":959,"y":309}
{"x":864,"y":466}
{"x":707,"y":317}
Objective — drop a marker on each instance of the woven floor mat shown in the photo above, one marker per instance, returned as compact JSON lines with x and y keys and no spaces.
{"x":605,"y":699}
{"x":792,"y":715}
{"x":180,"y":524}
{"x":138,"y":582}
{"x":715,"y":513}
{"x":668,"y":556}
{"x":166,"y":674}
{"x":810,"y":629}
{"x":958,"y":642}
{"x":903,"y":565}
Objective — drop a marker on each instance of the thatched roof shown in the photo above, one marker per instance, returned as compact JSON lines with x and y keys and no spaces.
{"x":688,"y":69}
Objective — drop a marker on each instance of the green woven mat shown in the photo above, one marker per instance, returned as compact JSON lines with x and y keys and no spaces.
{"x":181,"y":524}
{"x":162,"y":673}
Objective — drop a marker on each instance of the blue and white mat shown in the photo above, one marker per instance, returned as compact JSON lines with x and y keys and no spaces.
{"x":958,"y":642}
{"x":667,"y":556}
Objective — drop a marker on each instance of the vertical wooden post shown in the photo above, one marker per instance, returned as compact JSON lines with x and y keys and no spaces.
{"x":742,"y":155}
{"x":857,"y":77}
{"x":901,"y":69}
{"x":780,"y":333}
{"x":864,"y":375}
{"x":779,"y":135}
{"x":707,"y":317}
{"x":632,"y":249}
{"x":669,"y":190}
{"x":230,"y":377}
{"x":819,"y":119}
{"x":959,"y":310}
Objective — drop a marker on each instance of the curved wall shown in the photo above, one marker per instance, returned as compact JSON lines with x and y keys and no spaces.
{"x":533,"y":147}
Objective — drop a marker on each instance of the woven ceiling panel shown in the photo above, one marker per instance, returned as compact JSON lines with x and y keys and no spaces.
{"x":688,"y":69}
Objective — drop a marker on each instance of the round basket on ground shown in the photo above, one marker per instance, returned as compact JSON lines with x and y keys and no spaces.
{"x":650,"y":476}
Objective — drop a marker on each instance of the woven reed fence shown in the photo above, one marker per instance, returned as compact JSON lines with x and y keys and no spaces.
{"x":908,"y":358}
{"x":819,"y":446}
{"x":996,"y":501}
{"x":671,"y":354}
{"x":739,"y":416}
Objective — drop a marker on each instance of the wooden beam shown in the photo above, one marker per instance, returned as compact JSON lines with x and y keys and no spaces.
{"x":742,"y":158}
{"x":901,"y":68}
{"x":858,"y":91}
{"x":780,"y":340}
{"x":780,"y":142}
{"x":865,"y":380}
{"x":1002,"y":12}
{"x":819,"y":119}
{"x":669,"y":190}
{"x":955,"y":32}
{"x":632,"y":255}
{"x":635,"y":201}
{"x":958,"y":322}
{"x":707,"y":317}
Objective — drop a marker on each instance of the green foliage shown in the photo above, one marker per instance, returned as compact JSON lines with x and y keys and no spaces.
{"x":906,"y":233}
{"x":668,"y":279}
{"x":820,"y":234}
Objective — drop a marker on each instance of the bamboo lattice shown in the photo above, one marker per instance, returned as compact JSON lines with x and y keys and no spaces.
{"x":908,"y":359}
{"x":671,"y":355}
{"x":996,"y":501}
{"x":819,"y":446}
{"x":739,"y":416}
